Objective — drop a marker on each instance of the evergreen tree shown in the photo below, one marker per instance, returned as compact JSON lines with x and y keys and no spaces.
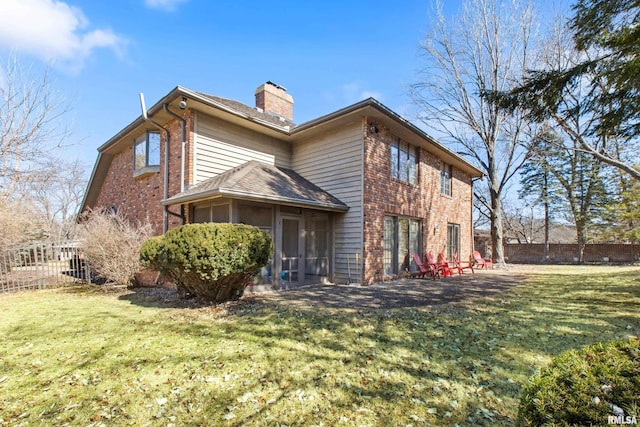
{"x":569,"y":182}
{"x":622,"y":214}
{"x":606,"y":42}
{"x":538,"y":184}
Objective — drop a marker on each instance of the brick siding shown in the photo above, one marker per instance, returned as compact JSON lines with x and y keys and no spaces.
{"x":387,"y":196}
{"x":138,"y":199}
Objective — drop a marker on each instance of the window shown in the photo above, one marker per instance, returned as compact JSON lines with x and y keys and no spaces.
{"x":260,"y":216}
{"x":317,"y":245}
{"x":404,"y":162}
{"x":146,"y":151}
{"x":401,"y":240}
{"x":453,"y":240}
{"x":209,"y":213}
{"x":445,"y":178}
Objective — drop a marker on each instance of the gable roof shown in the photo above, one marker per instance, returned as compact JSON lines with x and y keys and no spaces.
{"x":259,"y":181}
{"x":266,"y":123}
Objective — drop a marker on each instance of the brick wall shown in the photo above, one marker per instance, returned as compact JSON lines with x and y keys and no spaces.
{"x":387,"y":196}
{"x":139,"y":198}
{"x":274,"y":99}
{"x":566,"y":253}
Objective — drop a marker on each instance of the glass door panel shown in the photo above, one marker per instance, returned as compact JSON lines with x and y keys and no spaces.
{"x":290,"y":251}
{"x":403,"y":245}
{"x":316,"y":247}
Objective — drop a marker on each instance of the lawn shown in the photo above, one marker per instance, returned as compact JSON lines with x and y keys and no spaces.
{"x":80,"y":356}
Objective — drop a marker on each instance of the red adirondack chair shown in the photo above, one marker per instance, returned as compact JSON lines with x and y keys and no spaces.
{"x":424,"y":269}
{"x":482,"y":262}
{"x":461,"y":265}
{"x":434,"y":265}
{"x":443,"y":265}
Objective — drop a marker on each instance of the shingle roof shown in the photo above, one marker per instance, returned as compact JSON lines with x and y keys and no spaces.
{"x":249,"y":111}
{"x":259,"y":181}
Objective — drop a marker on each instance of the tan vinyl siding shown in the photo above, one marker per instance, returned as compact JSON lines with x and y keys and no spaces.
{"x":334,"y":162}
{"x":221,"y":146}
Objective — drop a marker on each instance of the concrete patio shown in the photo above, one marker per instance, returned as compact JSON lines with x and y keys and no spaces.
{"x":399,"y":293}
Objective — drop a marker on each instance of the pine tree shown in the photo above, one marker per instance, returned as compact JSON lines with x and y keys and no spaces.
{"x":606,"y":45}
{"x":537,"y":180}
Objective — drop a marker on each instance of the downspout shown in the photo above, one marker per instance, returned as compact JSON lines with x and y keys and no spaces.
{"x":183,"y":128}
{"x":165,"y":219}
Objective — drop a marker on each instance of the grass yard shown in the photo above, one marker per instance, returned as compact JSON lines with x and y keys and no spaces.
{"x":79,"y":356}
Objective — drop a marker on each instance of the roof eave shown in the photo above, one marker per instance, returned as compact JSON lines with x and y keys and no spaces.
{"x":99,"y":171}
{"x":179,"y":92}
{"x":244,"y":195}
{"x":375,"y":104}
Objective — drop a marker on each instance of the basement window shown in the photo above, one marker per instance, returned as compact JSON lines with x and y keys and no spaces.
{"x":146,"y":154}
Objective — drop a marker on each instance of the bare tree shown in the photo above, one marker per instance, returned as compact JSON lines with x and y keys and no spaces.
{"x":20,"y":221}
{"x":39,"y":193}
{"x":520,"y":222}
{"x":31,"y":125}
{"x":486,"y":49}
{"x":56,"y":192}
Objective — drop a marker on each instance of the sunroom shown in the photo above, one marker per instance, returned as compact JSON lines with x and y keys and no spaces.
{"x":297,"y":214}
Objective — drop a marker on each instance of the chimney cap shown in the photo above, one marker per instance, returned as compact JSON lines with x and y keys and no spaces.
{"x":269,"y":82}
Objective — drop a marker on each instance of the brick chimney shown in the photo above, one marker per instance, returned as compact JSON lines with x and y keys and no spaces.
{"x":274,"y":99}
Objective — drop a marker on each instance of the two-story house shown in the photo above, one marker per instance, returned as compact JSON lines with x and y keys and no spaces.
{"x":346,"y":196}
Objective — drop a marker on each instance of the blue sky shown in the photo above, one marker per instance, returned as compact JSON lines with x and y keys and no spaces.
{"x":327,"y":54}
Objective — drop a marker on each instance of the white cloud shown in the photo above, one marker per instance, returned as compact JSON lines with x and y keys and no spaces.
{"x":353,"y":92}
{"x":371,"y":94}
{"x":166,"y":5}
{"x":53,"y":31}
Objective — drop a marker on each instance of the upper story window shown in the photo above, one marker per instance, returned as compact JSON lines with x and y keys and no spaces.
{"x":146,"y":154}
{"x":404,"y":161}
{"x":445,"y":178}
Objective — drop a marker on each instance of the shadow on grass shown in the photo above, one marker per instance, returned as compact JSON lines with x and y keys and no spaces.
{"x":462,"y":347}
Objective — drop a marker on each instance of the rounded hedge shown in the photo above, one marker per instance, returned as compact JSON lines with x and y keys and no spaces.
{"x":213,"y":261}
{"x":585,"y":387}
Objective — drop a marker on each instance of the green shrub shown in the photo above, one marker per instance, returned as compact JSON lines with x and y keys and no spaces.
{"x":149,"y":251}
{"x":585,"y":387}
{"x":211,"y":261}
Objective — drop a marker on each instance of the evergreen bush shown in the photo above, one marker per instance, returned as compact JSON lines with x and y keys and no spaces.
{"x":212,"y":261}
{"x":585,"y":387}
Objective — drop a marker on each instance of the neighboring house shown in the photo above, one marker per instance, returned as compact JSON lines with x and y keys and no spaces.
{"x":346,"y":197}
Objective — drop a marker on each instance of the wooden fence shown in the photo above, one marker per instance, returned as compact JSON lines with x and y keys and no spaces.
{"x":533,"y":253}
{"x":41,"y":265}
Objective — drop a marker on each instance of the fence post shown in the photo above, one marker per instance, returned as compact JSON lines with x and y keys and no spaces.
{"x":44,"y":254}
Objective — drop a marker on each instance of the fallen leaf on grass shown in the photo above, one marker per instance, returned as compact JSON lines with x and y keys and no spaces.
{"x":245,"y":397}
{"x":229,"y":416}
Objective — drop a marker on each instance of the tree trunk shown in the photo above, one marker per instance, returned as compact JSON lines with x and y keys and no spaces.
{"x":497,"y":238}
{"x":582,"y":240}
{"x":546,"y":231}
{"x":546,"y":215}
